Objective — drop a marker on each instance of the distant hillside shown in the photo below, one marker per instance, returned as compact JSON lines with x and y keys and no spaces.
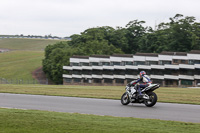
{"x":19,"y":64}
{"x":25,"y":44}
{"x":24,"y":58}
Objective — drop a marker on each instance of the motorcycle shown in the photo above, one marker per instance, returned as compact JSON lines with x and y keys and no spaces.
{"x":149,"y":98}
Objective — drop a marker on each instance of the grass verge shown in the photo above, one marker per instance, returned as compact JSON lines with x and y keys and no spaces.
{"x":173,"y":95}
{"x":31,"y":121}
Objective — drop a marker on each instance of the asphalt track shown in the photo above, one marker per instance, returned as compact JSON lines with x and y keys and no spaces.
{"x":162,"y":111}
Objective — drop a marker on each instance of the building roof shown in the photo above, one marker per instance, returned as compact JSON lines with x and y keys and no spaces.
{"x":123,"y":55}
{"x":194,"y":52}
{"x":140,"y":54}
{"x":79,"y":56}
{"x":146,"y":54}
{"x":174,"y":53}
{"x":100,"y":56}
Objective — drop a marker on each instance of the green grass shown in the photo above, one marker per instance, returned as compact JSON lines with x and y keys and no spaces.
{"x":25,"y":56}
{"x":19,"y":64}
{"x":173,"y":95}
{"x":31,"y":121}
{"x":25,"y":44}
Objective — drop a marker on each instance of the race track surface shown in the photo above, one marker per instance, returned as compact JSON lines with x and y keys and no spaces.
{"x":162,"y":111}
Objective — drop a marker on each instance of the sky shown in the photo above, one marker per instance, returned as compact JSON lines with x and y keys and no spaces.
{"x":67,"y":17}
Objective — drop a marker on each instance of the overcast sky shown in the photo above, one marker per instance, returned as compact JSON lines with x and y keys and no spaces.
{"x":68,"y":17}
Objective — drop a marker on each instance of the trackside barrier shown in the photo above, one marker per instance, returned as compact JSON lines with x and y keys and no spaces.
{"x":22,"y":81}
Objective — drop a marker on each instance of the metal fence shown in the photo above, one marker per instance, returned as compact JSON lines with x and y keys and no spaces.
{"x":23,"y":81}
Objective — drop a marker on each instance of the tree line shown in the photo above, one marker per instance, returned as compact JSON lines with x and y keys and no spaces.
{"x":180,"y":34}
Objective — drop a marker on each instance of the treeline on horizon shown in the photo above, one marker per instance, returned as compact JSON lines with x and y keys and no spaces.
{"x":180,"y":34}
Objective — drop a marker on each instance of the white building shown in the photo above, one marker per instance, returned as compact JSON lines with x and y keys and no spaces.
{"x":166,"y":68}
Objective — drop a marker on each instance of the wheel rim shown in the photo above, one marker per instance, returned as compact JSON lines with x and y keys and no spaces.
{"x":125,"y":98}
{"x":150,"y":100}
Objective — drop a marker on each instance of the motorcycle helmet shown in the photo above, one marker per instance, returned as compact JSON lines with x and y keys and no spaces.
{"x":142,"y":73}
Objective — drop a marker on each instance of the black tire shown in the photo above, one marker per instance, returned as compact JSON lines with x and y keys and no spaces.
{"x":125,"y":99}
{"x":152,"y":99}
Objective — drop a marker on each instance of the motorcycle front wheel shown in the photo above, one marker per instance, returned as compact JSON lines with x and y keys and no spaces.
{"x":152,"y":99}
{"x":125,"y":99}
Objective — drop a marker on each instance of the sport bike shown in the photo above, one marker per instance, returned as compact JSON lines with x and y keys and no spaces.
{"x":149,"y":98}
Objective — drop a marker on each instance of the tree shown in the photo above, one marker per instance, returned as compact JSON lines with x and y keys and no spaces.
{"x":55,"y":58}
{"x":118,"y":39}
{"x":180,"y":34}
{"x":91,"y":42}
{"x":135,"y":31}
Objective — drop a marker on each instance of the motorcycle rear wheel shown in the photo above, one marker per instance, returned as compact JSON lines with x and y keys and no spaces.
{"x":125,"y":99}
{"x":152,"y":99}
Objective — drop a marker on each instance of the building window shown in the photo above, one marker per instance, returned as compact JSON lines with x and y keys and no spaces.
{"x":191,"y":62}
{"x":175,"y":61}
{"x":119,"y":72}
{"x":119,"y":81}
{"x":108,"y":81}
{"x":128,"y":63}
{"x":78,"y":72}
{"x":106,"y":63}
{"x":165,"y":62}
{"x":86,"y":80}
{"x":116,"y":63}
{"x":97,"y":80}
{"x":67,"y":80}
{"x":74,"y":64}
{"x":94,"y":63}
{"x":197,"y":62}
{"x":131,"y":72}
{"x":152,"y":62}
{"x":186,"y":82}
{"x":98,"y":72}
{"x":84,"y":64}
{"x":86,"y":72}
{"x":198,"y":82}
{"x":197,"y":71}
{"x":139,"y":63}
{"x":183,"y":61}
{"x":157,"y":72}
{"x":169,"y":82}
{"x":187,"y":72}
{"x":108,"y":72}
{"x":76,"y":80}
{"x":70,"y":72}
{"x":171,"y":71}
{"x":157,"y":81}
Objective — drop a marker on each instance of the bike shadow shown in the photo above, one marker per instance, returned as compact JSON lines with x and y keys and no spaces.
{"x":137,"y":105}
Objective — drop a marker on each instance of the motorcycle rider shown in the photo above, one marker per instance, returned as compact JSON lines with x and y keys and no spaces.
{"x":146,"y":81}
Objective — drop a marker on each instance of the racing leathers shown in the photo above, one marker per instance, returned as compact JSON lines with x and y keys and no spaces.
{"x":145,"y":82}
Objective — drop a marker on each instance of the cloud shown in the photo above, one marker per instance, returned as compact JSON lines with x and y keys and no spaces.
{"x":67,"y":17}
